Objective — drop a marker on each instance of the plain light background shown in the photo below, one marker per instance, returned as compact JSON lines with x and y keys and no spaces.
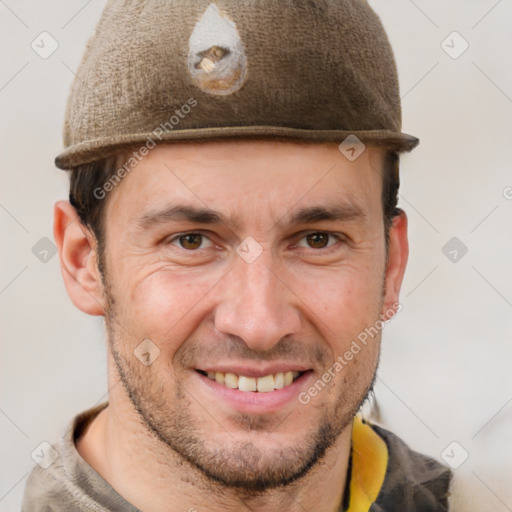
{"x":445,"y":373}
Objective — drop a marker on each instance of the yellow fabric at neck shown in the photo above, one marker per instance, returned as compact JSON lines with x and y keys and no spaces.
{"x":369,"y":463}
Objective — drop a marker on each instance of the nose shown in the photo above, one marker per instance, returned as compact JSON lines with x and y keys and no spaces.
{"x":257,"y":305}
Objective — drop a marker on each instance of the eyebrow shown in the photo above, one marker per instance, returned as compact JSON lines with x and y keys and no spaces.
{"x":345,"y":212}
{"x":338,"y":212}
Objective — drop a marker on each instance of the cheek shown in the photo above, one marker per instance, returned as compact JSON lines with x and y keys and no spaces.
{"x":359,"y":359}
{"x":344,"y":301}
{"x":161,"y":305}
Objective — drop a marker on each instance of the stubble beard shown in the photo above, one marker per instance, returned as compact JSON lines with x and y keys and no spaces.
{"x":241,"y":465}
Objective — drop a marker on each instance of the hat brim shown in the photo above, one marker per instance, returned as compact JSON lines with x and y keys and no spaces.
{"x":90,"y":151}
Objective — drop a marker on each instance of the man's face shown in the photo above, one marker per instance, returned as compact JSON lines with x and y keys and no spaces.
{"x":268,"y":287}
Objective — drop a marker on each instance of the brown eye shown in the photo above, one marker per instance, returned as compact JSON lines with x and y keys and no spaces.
{"x":191,"y":241}
{"x":318,"y":240}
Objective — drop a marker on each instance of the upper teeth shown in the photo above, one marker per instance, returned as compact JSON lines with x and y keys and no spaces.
{"x":261,"y":384}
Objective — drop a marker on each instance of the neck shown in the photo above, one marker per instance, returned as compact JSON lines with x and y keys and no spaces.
{"x":151,"y":476}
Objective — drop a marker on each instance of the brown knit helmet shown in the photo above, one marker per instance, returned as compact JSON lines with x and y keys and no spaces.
{"x":166,"y":70}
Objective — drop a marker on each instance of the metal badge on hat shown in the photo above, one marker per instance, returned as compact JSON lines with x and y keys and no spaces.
{"x":216,"y":58}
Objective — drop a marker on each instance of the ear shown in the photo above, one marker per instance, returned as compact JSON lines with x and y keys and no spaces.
{"x":78,"y":259}
{"x":397,"y":261}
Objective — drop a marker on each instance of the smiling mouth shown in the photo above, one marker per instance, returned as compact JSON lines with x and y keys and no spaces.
{"x":264,"y":384}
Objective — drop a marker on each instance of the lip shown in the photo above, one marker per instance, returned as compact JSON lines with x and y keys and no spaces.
{"x":254,"y":402}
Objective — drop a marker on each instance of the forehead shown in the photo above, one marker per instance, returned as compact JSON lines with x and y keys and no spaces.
{"x":249,"y":176}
